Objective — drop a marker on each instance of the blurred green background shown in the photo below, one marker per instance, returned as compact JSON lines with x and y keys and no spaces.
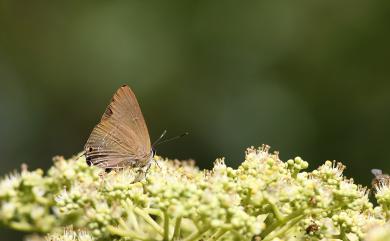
{"x":309,"y":78}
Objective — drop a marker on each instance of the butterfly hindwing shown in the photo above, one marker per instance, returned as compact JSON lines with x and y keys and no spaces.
{"x":121,"y":138}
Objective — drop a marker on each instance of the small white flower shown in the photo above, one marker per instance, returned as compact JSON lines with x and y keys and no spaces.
{"x":7,"y":210}
{"x":8,"y":185}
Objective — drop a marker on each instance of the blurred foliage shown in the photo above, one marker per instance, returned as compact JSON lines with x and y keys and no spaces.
{"x":308,"y":78}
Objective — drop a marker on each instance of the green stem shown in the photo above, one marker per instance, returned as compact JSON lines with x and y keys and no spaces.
{"x":149,"y":220}
{"x":176,"y":232}
{"x":153,"y":211}
{"x":196,"y":235}
{"x":284,"y":229}
{"x":166,"y":226}
{"x":124,"y":233}
{"x":273,"y":226}
{"x":279,"y":216}
{"x":133,"y":220}
{"x":123,"y":225}
{"x":217,"y":235}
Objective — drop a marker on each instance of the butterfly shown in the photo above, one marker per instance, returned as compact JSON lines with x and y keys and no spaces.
{"x":121,"y":138}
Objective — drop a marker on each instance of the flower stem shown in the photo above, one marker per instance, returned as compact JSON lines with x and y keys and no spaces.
{"x":133,"y":219}
{"x":153,"y":211}
{"x":196,"y":235}
{"x":176,"y":232}
{"x":124,"y":233}
{"x":166,"y":226}
{"x":217,"y":235}
{"x":275,"y":209}
{"x":284,"y":229}
{"x":273,"y":226}
{"x":149,"y":220}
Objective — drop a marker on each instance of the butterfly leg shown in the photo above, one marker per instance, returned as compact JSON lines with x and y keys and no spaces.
{"x":156,"y":164}
{"x":148,"y":167}
{"x":140,"y":175}
{"x":142,"y":172}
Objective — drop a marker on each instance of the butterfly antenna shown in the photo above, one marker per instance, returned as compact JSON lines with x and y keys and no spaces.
{"x":169,"y":139}
{"x":158,"y":139}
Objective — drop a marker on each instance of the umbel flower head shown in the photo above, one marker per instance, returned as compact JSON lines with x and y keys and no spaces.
{"x":263,"y":199}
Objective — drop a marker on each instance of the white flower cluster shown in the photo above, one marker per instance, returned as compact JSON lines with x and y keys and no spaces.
{"x":263,"y":199}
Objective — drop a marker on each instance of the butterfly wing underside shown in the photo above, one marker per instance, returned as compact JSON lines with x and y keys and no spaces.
{"x":121,"y":138}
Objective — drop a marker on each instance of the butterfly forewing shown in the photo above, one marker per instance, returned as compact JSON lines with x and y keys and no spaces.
{"x":121,"y":138}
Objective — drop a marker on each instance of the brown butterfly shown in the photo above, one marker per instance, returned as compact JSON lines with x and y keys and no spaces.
{"x":121,"y":138}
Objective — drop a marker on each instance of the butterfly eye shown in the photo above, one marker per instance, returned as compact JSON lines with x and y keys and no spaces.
{"x":90,"y":149}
